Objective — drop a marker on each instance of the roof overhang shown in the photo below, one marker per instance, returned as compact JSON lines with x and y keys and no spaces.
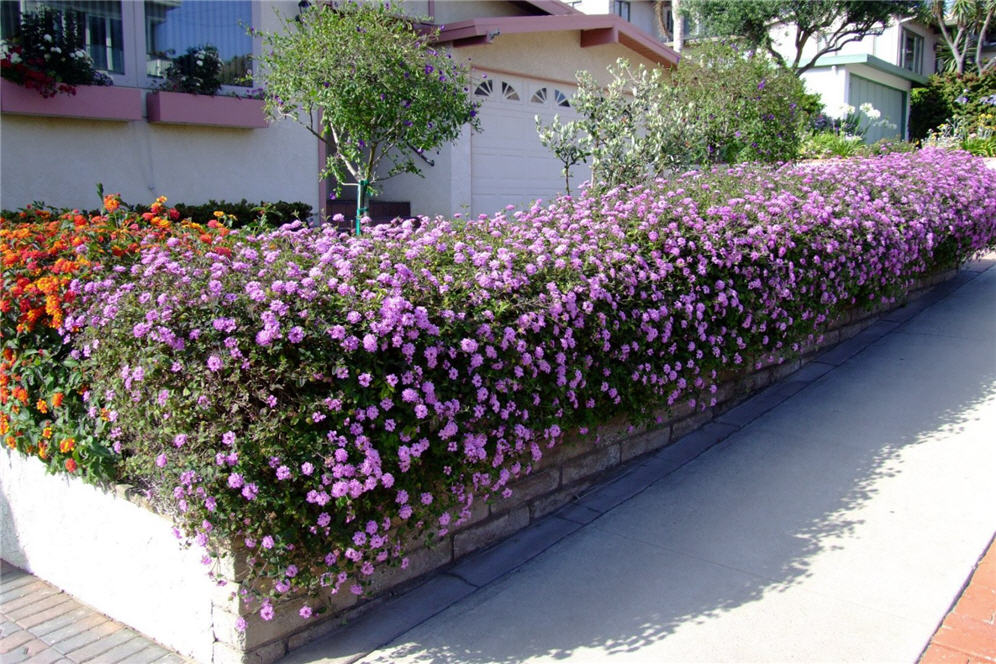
{"x":595,"y":30}
{"x":872,"y":62}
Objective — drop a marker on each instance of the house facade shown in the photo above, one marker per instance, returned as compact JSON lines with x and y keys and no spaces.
{"x":191,"y":149}
{"x":878,"y":69}
{"x":143,"y":143}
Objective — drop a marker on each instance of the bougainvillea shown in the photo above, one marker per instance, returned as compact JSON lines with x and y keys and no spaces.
{"x":322,"y":398}
{"x":45,"y":257}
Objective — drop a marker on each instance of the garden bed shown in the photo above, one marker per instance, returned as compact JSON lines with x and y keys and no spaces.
{"x":335,"y":404}
{"x":197,"y":616}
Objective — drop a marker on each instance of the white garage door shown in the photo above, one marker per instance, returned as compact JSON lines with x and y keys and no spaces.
{"x":890,"y":101}
{"x":509,"y":166}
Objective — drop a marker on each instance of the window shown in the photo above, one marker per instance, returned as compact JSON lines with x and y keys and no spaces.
{"x":912,"y":52}
{"x":690,"y":29}
{"x":621,"y":8}
{"x":171,"y":28}
{"x":539,"y":97}
{"x":139,"y":57}
{"x":484,"y":89}
{"x":103,"y":25}
{"x":560,"y":99}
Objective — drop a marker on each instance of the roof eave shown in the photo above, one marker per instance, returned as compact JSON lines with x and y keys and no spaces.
{"x":595,"y":30}
{"x":874,"y":63}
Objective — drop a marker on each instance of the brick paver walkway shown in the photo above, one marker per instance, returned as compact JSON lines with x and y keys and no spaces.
{"x":40,"y":624}
{"x":968,"y":633}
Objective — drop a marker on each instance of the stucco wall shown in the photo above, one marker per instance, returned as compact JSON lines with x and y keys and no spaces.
{"x":117,"y":557}
{"x":830,"y":83}
{"x":60,"y":161}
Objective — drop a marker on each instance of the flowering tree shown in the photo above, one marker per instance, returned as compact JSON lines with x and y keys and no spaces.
{"x":367,"y":83}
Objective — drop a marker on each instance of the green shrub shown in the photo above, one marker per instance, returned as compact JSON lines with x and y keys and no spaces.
{"x":828,"y":145}
{"x":753,"y":108}
{"x":825,"y":145}
{"x":243,"y":213}
{"x":981,"y":147}
{"x":198,"y":71}
{"x":720,"y":105}
{"x":950,"y":96}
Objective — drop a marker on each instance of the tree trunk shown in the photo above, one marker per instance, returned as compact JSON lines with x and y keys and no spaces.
{"x":676,"y":34}
{"x":679,"y":25}
{"x":981,"y":40}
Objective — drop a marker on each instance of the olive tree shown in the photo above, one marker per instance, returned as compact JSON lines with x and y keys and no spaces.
{"x":368,"y":82}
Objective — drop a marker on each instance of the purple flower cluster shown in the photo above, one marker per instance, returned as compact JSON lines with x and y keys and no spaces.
{"x":344,"y":392}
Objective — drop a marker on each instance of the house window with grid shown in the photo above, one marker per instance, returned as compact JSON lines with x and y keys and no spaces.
{"x":912,"y":53}
{"x":103,"y":27}
{"x":172,"y":27}
{"x":621,"y":8}
{"x":165,"y":29}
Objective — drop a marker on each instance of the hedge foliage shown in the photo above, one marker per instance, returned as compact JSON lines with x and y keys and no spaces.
{"x":322,"y":398}
{"x":938,"y":102}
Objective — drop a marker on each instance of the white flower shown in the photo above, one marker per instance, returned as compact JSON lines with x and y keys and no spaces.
{"x":14,"y":58}
{"x":47,"y":38}
{"x":842,"y":110}
{"x":56,"y":49}
{"x":872,"y":112}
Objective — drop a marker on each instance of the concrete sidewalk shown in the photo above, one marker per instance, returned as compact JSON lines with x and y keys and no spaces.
{"x":40,"y":624}
{"x":835,"y":517}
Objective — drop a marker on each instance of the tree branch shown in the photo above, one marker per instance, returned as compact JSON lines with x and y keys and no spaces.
{"x":981,"y":39}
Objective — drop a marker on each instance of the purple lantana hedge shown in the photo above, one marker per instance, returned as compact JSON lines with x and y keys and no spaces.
{"x":321,"y":399}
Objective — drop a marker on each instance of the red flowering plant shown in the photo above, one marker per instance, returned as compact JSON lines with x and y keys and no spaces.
{"x":47,"y":259}
{"x":48,"y":54}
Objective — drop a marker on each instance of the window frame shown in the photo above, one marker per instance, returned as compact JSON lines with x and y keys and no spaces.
{"x":622,"y":9}
{"x":919,"y":46}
